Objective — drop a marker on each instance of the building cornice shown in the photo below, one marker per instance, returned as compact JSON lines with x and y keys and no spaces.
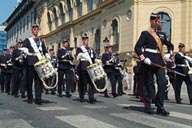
{"x":81,"y":19}
{"x":16,"y":15}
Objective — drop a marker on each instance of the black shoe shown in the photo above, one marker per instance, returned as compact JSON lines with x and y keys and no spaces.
{"x":68,"y":95}
{"x":53,"y":93}
{"x":8,"y":93}
{"x":38,"y":102}
{"x":82,"y":100}
{"x":149,"y":111}
{"x":115,"y":95}
{"x":179,"y":102}
{"x":30,"y":101}
{"x":107,"y":96}
{"x":60,"y":95}
{"x":92,"y":100}
{"x":16,"y":96}
{"x":191,"y":101}
{"x":161,"y":111}
{"x":23,"y":96}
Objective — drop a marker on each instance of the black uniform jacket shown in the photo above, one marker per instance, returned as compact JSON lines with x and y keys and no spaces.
{"x":83,"y":64}
{"x":17,"y":64}
{"x":146,"y":40}
{"x":108,"y":68}
{"x":64,"y":63}
{"x":9,"y":64}
{"x":180,"y":60}
{"x":31,"y":60}
{"x":3,"y":60}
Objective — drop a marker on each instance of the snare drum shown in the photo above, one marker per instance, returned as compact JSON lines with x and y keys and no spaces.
{"x":96,"y":71}
{"x":44,"y":69}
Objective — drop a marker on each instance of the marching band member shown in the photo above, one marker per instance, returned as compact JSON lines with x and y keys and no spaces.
{"x":108,"y":62}
{"x":118,"y":75}
{"x":3,"y":66}
{"x":182,"y":65}
{"x":65,"y":68}
{"x":86,"y":56}
{"x":34,"y":47}
{"x":18,"y":61}
{"x":152,"y":43}
{"x":9,"y":71}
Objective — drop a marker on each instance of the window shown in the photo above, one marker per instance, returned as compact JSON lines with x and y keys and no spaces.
{"x":20,"y":27}
{"x":23,"y":25}
{"x":70,"y":10}
{"x":79,"y":8}
{"x":100,"y":1}
{"x":97,"y":40}
{"x":115,"y":31}
{"x":55,"y":16}
{"x":165,"y":24}
{"x":90,"y":5}
{"x":49,"y":21}
{"x":27,"y":22}
{"x":32,"y":18}
{"x":15,"y":32}
{"x":62,"y":13}
{"x":17,"y":29}
{"x":75,"y":40}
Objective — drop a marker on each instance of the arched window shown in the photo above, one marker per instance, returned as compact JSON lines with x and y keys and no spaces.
{"x":89,"y":5}
{"x":97,"y":40}
{"x":55,"y":16}
{"x":49,"y":21}
{"x":62,"y":13}
{"x":166,"y":24}
{"x":79,"y":8}
{"x":75,"y":41}
{"x":115,"y":32}
{"x":70,"y":10}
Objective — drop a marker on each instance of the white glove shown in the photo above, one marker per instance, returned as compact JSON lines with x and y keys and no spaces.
{"x":48,"y":56}
{"x":147,"y":61}
{"x":81,"y":56}
{"x":167,"y":57}
{"x":3,"y":65}
{"x":188,"y":58}
{"x":97,"y":60}
{"x":25,"y":50}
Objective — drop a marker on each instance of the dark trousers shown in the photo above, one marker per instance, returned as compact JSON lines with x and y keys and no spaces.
{"x":23,"y":82}
{"x":149,"y":73}
{"x":84,"y":81}
{"x":8,"y":77}
{"x":69,"y":80}
{"x":138,"y":86}
{"x":111,"y":77}
{"x":17,"y":75}
{"x":118,"y":79}
{"x":2,"y":78}
{"x":179,"y":81}
{"x":31,"y":74}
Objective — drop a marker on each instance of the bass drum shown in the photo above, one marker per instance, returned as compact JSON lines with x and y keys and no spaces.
{"x":45,"y":70}
{"x":96,"y":73}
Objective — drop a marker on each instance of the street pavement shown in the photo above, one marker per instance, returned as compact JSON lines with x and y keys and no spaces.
{"x":121,"y":112}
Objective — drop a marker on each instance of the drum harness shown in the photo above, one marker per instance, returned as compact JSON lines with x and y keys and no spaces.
{"x":88,"y":58}
{"x":40,"y":56}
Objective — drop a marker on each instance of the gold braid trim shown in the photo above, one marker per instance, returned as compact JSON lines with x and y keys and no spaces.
{"x":157,"y":39}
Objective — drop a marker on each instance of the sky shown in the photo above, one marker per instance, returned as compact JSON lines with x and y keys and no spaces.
{"x":6,"y":8}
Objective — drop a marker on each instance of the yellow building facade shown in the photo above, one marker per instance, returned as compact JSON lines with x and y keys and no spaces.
{"x":121,"y":21}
